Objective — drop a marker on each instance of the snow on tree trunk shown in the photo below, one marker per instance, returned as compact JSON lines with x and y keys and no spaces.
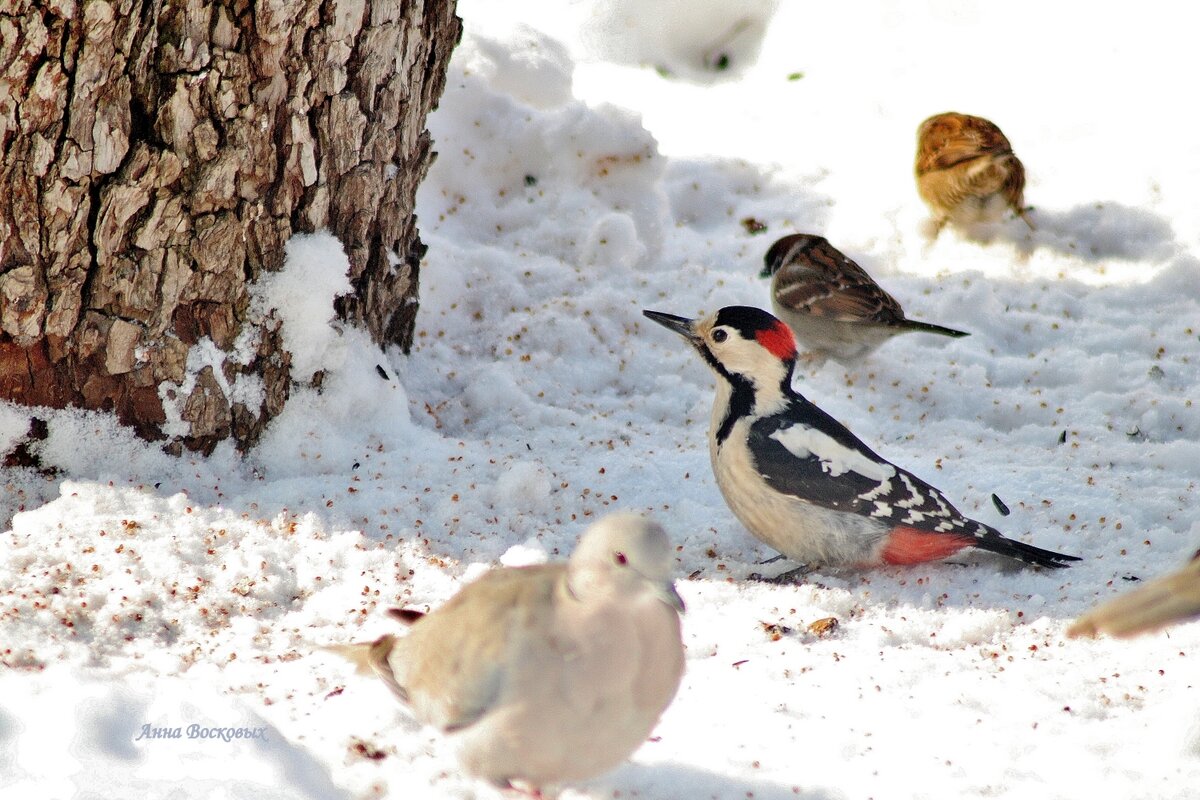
{"x":154,"y":160}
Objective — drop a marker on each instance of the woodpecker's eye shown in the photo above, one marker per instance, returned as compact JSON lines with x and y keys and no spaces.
{"x":719,"y":335}
{"x":620,"y":559}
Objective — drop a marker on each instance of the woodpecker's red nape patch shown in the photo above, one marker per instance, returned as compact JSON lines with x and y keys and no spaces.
{"x":778,"y":340}
{"x":912,"y":546}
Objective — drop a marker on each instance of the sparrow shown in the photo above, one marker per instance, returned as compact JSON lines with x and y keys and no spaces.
{"x":831,"y":304}
{"x":967,"y":171}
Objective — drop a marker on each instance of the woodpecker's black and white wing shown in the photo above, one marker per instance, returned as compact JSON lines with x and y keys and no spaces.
{"x":809,"y":455}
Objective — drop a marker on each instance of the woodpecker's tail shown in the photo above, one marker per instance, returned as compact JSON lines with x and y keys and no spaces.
{"x":929,"y":327}
{"x":1025,"y":552}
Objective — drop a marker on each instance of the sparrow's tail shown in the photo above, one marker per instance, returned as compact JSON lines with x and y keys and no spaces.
{"x":929,"y":327}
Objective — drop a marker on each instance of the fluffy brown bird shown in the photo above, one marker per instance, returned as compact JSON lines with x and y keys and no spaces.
{"x":967,"y":171}
{"x":1171,"y":598}
{"x":831,"y":304}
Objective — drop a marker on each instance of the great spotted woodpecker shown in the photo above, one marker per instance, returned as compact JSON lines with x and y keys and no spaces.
{"x":803,"y":483}
{"x":830,"y":303}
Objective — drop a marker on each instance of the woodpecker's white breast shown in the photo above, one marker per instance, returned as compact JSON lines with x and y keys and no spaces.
{"x":802,"y":531}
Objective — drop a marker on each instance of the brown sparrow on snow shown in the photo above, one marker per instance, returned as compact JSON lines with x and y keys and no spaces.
{"x":966,"y":170}
{"x":831,"y":304}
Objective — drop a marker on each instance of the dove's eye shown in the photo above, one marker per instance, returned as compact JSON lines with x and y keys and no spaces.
{"x":620,"y":559}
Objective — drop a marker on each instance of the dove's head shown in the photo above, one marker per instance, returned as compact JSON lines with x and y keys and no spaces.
{"x":625,"y":554}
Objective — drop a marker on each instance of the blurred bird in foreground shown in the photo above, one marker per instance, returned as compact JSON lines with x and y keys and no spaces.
{"x":831,"y":304}
{"x":1164,"y":600}
{"x":545,"y":674}
{"x":967,"y":171}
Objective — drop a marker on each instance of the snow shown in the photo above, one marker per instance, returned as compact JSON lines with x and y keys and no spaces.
{"x":575,"y":187}
{"x":301,"y":295}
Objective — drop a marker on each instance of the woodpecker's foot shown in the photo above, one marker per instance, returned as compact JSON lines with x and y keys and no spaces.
{"x":791,"y":576}
{"x":771,"y":560}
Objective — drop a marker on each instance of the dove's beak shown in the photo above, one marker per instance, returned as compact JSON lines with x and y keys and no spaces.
{"x":681,"y":325}
{"x":666,"y":592}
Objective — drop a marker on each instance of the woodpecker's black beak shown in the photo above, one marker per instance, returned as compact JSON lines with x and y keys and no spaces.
{"x":680,"y":325}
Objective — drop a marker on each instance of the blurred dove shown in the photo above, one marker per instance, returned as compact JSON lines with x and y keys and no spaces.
{"x":831,"y":304}
{"x":1171,"y":598}
{"x":967,"y":171}
{"x":546,"y":674}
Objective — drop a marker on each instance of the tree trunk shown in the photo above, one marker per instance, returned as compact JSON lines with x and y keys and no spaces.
{"x":155,"y":158}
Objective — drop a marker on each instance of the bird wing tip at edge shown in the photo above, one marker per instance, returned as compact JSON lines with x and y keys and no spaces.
{"x":1083,"y":628}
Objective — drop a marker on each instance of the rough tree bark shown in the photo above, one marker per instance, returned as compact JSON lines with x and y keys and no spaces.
{"x":155,"y":157}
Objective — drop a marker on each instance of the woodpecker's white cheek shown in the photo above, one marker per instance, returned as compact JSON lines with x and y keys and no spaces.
{"x":747,"y":358}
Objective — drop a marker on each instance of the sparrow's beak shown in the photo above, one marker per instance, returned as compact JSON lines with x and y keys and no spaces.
{"x":680,"y":325}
